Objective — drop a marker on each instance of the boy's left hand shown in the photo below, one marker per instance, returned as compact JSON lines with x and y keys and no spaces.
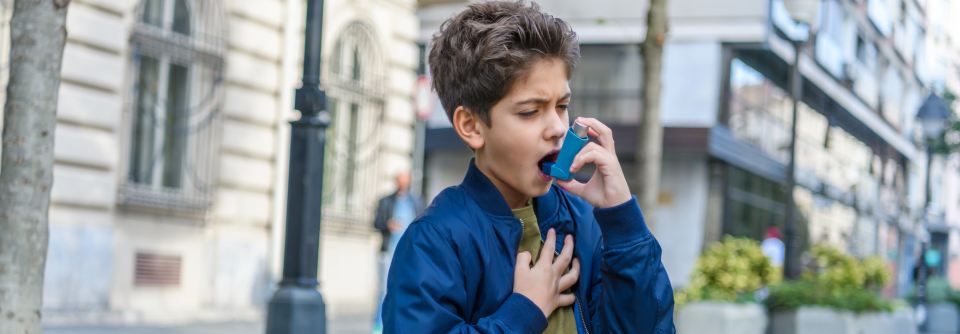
{"x":608,"y":187}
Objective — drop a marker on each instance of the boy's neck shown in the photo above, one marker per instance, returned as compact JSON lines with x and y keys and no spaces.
{"x":514,"y":198}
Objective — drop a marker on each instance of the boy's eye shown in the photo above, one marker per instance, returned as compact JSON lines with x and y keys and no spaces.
{"x":528,"y":113}
{"x":563,"y":107}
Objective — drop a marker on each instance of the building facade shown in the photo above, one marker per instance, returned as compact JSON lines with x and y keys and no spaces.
{"x":171,"y":154}
{"x":727,"y":113}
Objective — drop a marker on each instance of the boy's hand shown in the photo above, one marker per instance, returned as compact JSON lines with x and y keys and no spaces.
{"x":544,"y":283}
{"x":608,"y":187}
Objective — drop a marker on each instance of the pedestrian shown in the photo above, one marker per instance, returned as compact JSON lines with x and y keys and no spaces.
{"x":394,"y":213}
{"x":773,"y":247}
{"x":496,"y":253}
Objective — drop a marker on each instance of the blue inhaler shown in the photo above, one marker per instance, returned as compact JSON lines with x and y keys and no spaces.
{"x":575,"y":141}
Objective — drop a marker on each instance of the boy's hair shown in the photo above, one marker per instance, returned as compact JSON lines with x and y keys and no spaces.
{"x":478,"y":54}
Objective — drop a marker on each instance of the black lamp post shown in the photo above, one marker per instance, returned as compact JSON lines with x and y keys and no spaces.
{"x":297,"y":307}
{"x":804,"y":12}
{"x":931,"y":115}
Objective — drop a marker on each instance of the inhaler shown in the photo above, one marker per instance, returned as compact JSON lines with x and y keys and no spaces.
{"x":574,"y":142}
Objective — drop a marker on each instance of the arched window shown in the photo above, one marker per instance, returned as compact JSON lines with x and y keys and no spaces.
{"x":353,"y":82}
{"x":173,"y":116}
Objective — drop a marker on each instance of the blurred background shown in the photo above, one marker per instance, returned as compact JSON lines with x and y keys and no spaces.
{"x":172,"y":148}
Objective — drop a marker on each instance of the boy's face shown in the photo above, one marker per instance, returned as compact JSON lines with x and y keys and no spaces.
{"x":526,"y":129}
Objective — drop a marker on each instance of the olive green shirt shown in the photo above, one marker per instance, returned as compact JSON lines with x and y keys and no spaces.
{"x":562,"y":320}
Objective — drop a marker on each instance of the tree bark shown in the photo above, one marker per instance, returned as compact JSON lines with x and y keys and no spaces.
{"x":37,"y":34}
{"x":649,"y":152}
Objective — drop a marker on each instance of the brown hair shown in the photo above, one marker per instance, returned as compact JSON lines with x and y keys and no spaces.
{"x":478,"y":54}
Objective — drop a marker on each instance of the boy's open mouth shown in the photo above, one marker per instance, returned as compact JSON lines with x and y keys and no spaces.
{"x":549,"y":157}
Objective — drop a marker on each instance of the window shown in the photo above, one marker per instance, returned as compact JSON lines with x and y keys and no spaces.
{"x":174,"y":106}
{"x":760,"y":111}
{"x":606,"y":84}
{"x":754,"y":204}
{"x":355,"y":100}
{"x":867,"y":55}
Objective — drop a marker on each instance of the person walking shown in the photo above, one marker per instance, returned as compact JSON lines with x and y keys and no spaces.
{"x":394,"y":213}
{"x":773,"y":247}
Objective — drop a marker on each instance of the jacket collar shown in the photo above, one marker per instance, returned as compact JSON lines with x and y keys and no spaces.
{"x":482,"y":190}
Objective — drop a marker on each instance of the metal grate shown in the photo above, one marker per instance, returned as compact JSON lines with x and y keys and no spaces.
{"x":157,"y":270}
{"x":355,"y":91}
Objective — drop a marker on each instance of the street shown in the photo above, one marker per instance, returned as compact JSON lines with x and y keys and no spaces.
{"x":336,"y":326}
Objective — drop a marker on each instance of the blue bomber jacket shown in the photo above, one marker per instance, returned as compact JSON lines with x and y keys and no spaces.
{"x":452,"y":271}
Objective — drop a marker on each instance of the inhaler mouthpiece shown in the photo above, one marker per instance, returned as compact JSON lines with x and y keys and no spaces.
{"x":575,"y":140}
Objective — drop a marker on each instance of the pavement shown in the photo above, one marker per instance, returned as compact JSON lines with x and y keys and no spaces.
{"x":335,"y":326}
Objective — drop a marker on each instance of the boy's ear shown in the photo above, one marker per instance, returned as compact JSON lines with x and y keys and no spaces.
{"x":468,"y":127}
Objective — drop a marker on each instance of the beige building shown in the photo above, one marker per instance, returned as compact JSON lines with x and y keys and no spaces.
{"x":171,"y":154}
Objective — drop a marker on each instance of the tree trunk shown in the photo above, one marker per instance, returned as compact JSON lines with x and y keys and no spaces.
{"x":649,"y":152}
{"x":37,"y":34}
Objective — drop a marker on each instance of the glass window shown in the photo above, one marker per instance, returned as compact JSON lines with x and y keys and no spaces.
{"x":181,"y":18}
{"x":143,"y":135}
{"x":760,"y":112}
{"x":755,"y":204}
{"x":355,"y":104}
{"x":175,"y":106}
{"x":153,"y":13}
{"x":606,"y":84}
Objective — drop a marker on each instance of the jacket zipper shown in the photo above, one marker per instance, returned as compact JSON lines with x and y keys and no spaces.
{"x":582,"y":319}
{"x":520,"y":239}
{"x":579,"y":308}
{"x":542,"y":242}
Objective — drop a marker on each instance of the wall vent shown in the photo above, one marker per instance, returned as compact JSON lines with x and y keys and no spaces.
{"x":157,"y":270}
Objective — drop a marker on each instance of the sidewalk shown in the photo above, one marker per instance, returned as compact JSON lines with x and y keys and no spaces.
{"x":335,"y":326}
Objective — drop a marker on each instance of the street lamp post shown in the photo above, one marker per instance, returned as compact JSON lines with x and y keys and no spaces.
{"x":297,"y":307}
{"x":804,"y":12}
{"x":931,"y":115}
{"x":791,"y":268}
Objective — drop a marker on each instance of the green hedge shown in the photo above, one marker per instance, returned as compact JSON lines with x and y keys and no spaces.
{"x":836,"y":280}
{"x":732,"y":270}
{"x":735,"y":269}
{"x":938,"y":291}
{"x":791,"y":295}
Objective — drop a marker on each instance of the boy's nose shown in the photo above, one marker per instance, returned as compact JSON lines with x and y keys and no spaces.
{"x":557,"y":128}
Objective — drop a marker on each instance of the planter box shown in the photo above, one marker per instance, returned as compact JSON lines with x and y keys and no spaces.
{"x":813,"y":320}
{"x":721,"y":318}
{"x":903,"y":322}
{"x":821,"y":320}
{"x":943,"y":318}
{"x":879,"y":323}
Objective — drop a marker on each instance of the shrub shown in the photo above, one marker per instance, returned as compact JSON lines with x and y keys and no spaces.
{"x":836,"y":280}
{"x":808,"y":292}
{"x":731,"y":270}
{"x":938,"y":291}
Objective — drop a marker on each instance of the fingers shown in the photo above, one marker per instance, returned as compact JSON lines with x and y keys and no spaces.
{"x":549,"y":245}
{"x":569,"y":279}
{"x":590,"y":153}
{"x":523,"y":258}
{"x":601,"y":131}
{"x":565,"y":255}
{"x":566,"y":299}
{"x":573,"y":186}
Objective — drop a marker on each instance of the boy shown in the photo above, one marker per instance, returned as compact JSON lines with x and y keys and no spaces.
{"x":507,"y":251}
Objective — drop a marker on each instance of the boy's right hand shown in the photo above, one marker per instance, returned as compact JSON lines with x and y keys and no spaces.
{"x":544,"y":283}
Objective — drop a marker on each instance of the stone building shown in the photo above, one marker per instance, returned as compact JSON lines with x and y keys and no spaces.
{"x":171,"y":154}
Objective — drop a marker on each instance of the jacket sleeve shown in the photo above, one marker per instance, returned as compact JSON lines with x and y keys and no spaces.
{"x":380,"y":222}
{"x":426,"y":292}
{"x":635,"y":292}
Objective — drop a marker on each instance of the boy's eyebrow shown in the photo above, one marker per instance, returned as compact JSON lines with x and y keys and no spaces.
{"x":541,"y":100}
